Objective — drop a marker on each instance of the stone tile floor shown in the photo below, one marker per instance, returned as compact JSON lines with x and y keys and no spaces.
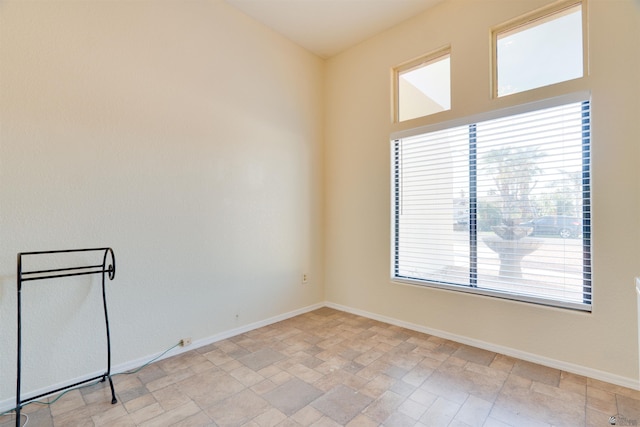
{"x":330,"y":368}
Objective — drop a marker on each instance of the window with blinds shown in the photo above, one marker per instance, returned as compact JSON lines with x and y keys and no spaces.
{"x":499,"y":207}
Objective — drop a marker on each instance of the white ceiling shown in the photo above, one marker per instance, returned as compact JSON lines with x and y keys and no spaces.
{"x":327,"y":27}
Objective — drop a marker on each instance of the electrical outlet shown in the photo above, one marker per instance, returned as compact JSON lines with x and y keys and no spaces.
{"x":185,"y":342}
{"x":305,"y":278}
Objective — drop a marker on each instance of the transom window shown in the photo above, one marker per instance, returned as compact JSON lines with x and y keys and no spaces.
{"x":423,"y":86}
{"x":539,"y":50}
{"x":499,"y":207}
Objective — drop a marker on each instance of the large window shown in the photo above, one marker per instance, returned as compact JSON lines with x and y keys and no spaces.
{"x":499,"y":207}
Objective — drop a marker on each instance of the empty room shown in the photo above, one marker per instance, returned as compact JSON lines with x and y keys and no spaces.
{"x":319,"y":213}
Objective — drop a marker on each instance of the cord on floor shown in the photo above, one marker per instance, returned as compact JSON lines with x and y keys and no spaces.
{"x":26,"y":417}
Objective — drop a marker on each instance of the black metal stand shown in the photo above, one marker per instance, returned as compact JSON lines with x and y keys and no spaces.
{"x":105,"y":269}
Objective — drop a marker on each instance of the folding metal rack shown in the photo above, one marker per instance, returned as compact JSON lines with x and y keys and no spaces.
{"x":106,"y":269}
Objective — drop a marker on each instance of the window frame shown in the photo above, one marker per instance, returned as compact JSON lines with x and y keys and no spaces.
{"x":422,"y":60}
{"x":575,"y":97}
{"x":527,"y":20}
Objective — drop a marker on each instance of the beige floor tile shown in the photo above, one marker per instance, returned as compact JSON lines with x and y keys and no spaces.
{"x":261,"y":358}
{"x":574,"y":378}
{"x":559,"y":393}
{"x":476,"y":355}
{"x":174,"y":416}
{"x":307,"y":415}
{"x":125,"y":421}
{"x":264,"y":386}
{"x":248,"y":377}
{"x":101,"y":407}
{"x":331,"y":380}
{"x":573,"y":386}
{"x":403,"y":388}
{"x":217,"y":357}
{"x":397,"y":419}
{"x":624,"y":391}
{"x":230,"y":366}
{"x":377,"y":386}
{"x":486,"y":371}
{"x":629,"y":408}
{"x":413,"y":409}
{"x":503,"y":363}
{"x":601,"y":400}
{"x":221,"y":387}
{"x":145,"y":376}
{"x":170,"y":397}
{"x":596,"y":418}
{"x":199,"y":419}
{"x":270,"y":418}
{"x":101,"y":392}
{"x":423,"y":397}
{"x":182,"y":361}
{"x":474,"y":411}
{"x":529,"y":402}
{"x":330,"y":368}
{"x":441,"y":413}
{"x":201,"y":384}
{"x":367,"y":357}
{"x":417,"y":375}
{"x":362,"y":421}
{"x":492,"y":422}
{"x":341,"y":404}
{"x":203,"y":366}
{"x":383,"y":407}
{"x":170,"y":379}
{"x":107,"y":417}
{"x":305,"y":374}
{"x":146,"y":413}
{"x":513,"y":418}
{"x":70,"y":401}
{"x":281,"y":377}
{"x":325,"y":422}
{"x":536,"y":372}
{"x":450,"y":386}
{"x":269,"y":371}
{"x":292,"y":396}
{"x":123,"y":395}
{"x":139,"y":403}
{"x":238,"y":409}
{"x":77,"y":417}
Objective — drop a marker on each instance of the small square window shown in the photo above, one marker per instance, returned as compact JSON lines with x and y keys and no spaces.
{"x":539,"y":51}
{"x":423,"y":87}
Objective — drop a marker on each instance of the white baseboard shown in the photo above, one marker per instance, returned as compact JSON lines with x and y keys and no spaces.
{"x":9,"y":404}
{"x":251,"y":326}
{"x":507,"y":351}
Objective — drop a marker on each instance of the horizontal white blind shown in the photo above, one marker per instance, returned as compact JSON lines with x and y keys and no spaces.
{"x":500,"y":206}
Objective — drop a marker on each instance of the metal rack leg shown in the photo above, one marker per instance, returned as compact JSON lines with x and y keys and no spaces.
{"x":111,"y":269}
{"x":19,"y":340}
{"x":113,"y":392}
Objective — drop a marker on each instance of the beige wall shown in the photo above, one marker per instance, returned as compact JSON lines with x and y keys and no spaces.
{"x":603,"y":343}
{"x":184,"y":135}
